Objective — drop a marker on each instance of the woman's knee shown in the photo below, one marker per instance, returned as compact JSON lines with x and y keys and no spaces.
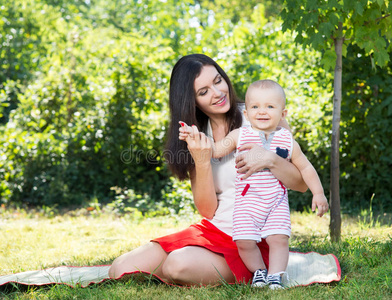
{"x":117,"y":267}
{"x":196,"y":265}
{"x":113,"y":270}
{"x":148,"y":258}
{"x":175,"y":267}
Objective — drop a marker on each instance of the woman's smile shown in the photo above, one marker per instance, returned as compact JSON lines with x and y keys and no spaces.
{"x":221,"y":102}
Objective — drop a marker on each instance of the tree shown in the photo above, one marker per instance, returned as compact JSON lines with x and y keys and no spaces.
{"x":322,"y":24}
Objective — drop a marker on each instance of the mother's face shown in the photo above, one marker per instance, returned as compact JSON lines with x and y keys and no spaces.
{"x":212,"y":92}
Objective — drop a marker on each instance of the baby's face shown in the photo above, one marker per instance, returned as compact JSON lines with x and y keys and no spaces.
{"x":264,"y":108}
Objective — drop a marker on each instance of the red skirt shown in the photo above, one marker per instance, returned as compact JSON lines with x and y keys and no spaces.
{"x":206,"y":235}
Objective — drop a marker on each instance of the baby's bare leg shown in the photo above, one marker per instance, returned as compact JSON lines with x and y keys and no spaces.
{"x":278,"y":253}
{"x":250,"y":255}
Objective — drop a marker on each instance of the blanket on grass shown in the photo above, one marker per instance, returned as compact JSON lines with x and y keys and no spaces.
{"x":303,"y":269}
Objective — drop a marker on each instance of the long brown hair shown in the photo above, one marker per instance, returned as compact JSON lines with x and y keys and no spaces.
{"x":182,"y":103}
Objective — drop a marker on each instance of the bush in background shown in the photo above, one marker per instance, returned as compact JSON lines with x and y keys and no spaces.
{"x":84,"y":92}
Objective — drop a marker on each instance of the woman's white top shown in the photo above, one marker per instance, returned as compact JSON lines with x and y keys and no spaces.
{"x":224,"y":173}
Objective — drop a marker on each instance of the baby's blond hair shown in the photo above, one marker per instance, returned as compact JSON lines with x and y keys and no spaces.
{"x":268,"y":84}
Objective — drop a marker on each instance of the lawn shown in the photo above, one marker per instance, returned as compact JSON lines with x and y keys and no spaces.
{"x":31,"y":240}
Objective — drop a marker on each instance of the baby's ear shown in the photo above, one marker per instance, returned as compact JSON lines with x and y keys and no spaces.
{"x":246,"y":115}
{"x":284,"y":113}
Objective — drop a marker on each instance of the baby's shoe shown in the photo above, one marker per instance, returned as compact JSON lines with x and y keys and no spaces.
{"x":260,"y":278}
{"x":275,"y":282}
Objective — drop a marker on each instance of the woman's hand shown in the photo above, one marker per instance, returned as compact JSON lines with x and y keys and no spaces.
{"x":184,"y":131}
{"x":202,"y":181}
{"x":255,"y":160}
{"x":199,"y":145}
{"x":258,"y":158}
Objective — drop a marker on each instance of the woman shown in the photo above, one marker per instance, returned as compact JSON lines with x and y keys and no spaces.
{"x":201,"y":94}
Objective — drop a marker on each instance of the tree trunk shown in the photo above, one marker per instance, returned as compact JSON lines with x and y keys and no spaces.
{"x":335,"y":224}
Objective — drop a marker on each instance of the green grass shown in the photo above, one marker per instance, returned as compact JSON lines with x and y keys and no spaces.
{"x":41,"y":239}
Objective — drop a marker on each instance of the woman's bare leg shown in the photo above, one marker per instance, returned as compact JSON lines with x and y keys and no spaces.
{"x":189,"y":265}
{"x":196,"y":265}
{"x":149,"y":258}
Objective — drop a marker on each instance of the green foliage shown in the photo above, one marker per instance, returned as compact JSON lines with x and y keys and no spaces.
{"x":366,"y":131}
{"x":365,"y":27}
{"x":92,"y":118}
{"x":22,"y":49}
{"x":366,"y":24}
{"x":84,"y":89}
{"x":178,"y":196}
{"x":258,"y":49}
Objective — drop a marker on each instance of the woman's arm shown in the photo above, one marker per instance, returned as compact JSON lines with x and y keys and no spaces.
{"x":202,"y":180}
{"x":203,"y":191}
{"x":258,"y":158}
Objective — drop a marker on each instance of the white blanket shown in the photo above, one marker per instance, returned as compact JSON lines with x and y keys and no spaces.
{"x":303,"y":269}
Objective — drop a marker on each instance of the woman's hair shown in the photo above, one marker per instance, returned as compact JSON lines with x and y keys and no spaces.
{"x":182,"y":102}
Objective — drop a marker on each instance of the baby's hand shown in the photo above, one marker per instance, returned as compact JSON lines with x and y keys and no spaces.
{"x":321,"y":202}
{"x":184,"y":131}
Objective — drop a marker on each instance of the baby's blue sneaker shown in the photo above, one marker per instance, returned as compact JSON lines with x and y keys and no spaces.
{"x":275,"y":282}
{"x":260,"y":278}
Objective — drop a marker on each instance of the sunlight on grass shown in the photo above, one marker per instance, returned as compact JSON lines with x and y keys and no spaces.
{"x":31,"y":241}
{"x":307,"y":224}
{"x":36,"y":240}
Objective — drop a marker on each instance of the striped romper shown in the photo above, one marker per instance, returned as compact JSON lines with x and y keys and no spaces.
{"x":261,"y":205}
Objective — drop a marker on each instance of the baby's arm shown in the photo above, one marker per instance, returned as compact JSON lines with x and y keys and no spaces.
{"x":225,"y":145}
{"x":311,"y":178}
{"x":220,"y":148}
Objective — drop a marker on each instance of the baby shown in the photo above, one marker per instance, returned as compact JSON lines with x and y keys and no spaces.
{"x":261,"y":209}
